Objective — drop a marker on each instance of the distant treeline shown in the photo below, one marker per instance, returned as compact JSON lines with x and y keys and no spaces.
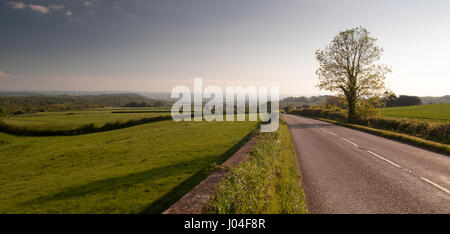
{"x":435,"y":100}
{"x":152,"y":103}
{"x":389,"y":101}
{"x":304,"y":101}
{"x":24,"y":130}
{"x":31,"y":104}
{"x":402,"y":100}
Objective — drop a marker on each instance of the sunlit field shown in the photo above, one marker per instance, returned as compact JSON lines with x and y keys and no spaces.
{"x":144,"y":168}
{"x":73,"y":119}
{"x":430,"y":112}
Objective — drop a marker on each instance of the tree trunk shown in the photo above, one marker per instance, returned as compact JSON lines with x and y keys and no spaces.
{"x":351,"y":100}
{"x":351,"y":110}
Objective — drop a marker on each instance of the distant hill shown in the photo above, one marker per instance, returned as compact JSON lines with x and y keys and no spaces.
{"x":30,"y":104}
{"x":300,"y":101}
{"x":318,"y":100}
{"x":435,"y":100}
{"x":158,"y":95}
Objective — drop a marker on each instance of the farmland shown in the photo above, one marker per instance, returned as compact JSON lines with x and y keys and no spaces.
{"x":430,"y":112}
{"x":72,"y":119}
{"x":140,"y":169}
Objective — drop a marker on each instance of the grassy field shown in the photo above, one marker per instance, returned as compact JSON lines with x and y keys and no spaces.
{"x":140,"y":169}
{"x":268,"y":183}
{"x":73,"y":119}
{"x":430,"y":112}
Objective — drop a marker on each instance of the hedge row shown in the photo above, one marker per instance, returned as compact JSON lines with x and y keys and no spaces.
{"x":438,"y":132}
{"x":84,"y":129}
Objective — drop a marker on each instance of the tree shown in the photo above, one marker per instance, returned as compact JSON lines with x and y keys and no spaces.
{"x":335,"y":101}
{"x":389,"y":99}
{"x":2,"y":111}
{"x":348,"y":66}
{"x":404,"y":100}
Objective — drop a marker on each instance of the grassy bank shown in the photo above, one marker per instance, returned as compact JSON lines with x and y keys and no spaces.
{"x":143,"y":168}
{"x":269,"y":182}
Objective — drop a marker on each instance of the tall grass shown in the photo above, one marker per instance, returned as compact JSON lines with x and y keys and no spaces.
{"x":269,"y":182}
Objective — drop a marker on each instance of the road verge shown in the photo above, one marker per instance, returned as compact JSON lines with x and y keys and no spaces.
{"x":269,"y":182}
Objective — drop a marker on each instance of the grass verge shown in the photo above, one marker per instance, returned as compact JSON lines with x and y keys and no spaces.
{"x":435,"y":146}
{"x":269,"y":182}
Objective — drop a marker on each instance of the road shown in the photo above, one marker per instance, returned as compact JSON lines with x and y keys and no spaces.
{"x":349,"y":171}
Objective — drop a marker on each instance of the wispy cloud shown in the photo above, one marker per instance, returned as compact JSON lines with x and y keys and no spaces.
{"x":17,"y":5}
{"x":88,"y":3}
{"x":56,"y":7}
{"x":3,"y":74}
{"x":39,"y":8}
{"x":35,"y":7}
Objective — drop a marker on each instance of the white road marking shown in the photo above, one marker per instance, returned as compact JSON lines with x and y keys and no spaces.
{"x":332,"y":133}
{"x":354,"y":144}
{"x":376,"y":155}
{"x":392,"y":163}
{"x":435,"y":185}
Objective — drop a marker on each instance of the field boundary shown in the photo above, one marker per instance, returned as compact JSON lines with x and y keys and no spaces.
{"x":194,"y":201}
{"x":84,"y":129}
{"x":404,"y":138}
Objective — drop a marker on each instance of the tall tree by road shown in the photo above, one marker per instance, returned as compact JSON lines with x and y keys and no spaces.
{"x":349,"y":66}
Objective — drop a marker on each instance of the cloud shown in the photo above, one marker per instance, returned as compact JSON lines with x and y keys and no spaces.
{"x":88,"y":3}
{"x":3,"y":74}
{"x":56,"y":7}
{"x":39,"y":8}
{"x":17,"y":5}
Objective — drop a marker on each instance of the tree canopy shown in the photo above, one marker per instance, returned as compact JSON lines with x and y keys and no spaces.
{"x":348,"y":66}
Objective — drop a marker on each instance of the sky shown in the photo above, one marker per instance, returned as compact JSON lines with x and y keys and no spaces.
{"x":142,"y":45}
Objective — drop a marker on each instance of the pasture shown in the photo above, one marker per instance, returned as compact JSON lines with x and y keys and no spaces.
{"x":72,"y":119}
{"x":140,"y":169}
{"x":430,"y":112}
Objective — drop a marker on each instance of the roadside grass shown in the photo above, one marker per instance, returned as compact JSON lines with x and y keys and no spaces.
{"x":429,"y":112}
{"x":269,"y":182}
{"x":435,"y":146}
{"x":140,"y":169}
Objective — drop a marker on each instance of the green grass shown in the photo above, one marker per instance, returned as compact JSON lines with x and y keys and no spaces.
{"x":430,"y":112}
{"x":143,"y":168}
{"x":73,"y":119}
{"x":269,"y":182}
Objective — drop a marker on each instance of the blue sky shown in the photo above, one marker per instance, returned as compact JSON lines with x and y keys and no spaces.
{"x":140,"y":45}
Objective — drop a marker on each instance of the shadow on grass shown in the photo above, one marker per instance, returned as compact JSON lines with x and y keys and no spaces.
{"x":111,"y":184}
{"x":176,"y":193}
{"x":126,"y":181}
